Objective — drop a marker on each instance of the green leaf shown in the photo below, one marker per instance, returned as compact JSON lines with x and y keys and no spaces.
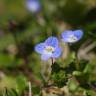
{"x":21,"y":83}
{"x":72,"y":84}
{"x":5,"y":60}
{"x":77,"y":73}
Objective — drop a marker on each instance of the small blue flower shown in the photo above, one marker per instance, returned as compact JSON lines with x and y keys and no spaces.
{"x":49,"y":49}
{"x":70,"y":36}
{"x":33,"y":5}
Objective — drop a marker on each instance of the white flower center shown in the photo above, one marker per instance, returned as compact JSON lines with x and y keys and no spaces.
{"x":72,"y":38}
{"x":49,"y":50}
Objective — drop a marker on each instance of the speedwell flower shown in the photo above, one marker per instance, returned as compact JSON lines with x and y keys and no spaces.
{"x":49,"y":49}
{"x":33,"y":5}
{"x":70,"y":36}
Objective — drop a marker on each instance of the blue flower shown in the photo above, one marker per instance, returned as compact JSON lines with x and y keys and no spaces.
{"x":49,"y":49}
{"x":33,"y":5}
{"x":70,"y":36}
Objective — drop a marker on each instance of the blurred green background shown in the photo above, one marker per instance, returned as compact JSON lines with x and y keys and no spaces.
{"x":21,"y":30}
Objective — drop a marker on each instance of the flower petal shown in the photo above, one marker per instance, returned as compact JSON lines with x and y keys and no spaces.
{"x":33,"y":5}
{"x":78,"y":34}
{"x":52,"y":41}
{"x":72,"y":36}
{"x":39,"y":48}
{"x":45,"y":57}
{"x":57,"y":52}
{"x":65,"y":35}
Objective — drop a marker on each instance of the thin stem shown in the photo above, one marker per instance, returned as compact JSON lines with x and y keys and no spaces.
{"x":50,"y":66}
{"x":52,"y":61}
{"x":77,"y":64}
{"x":30,"y":90}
